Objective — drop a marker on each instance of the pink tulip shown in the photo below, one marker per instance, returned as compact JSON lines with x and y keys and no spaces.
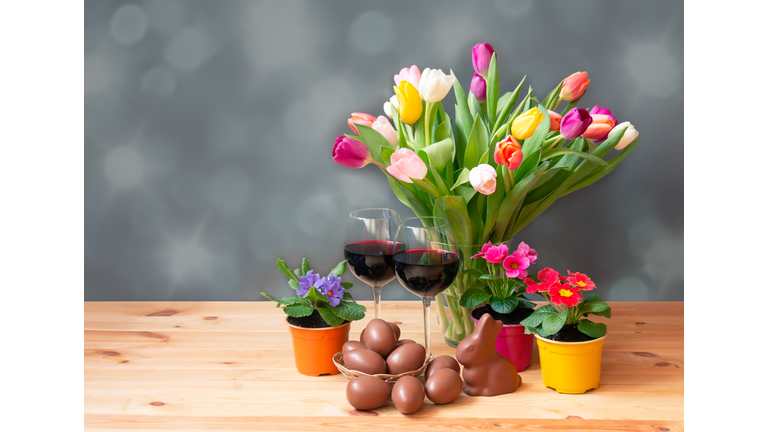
{"x":554,"y":121}
{"x":382,"y":126}
{"x":412,"y":75}
{"x":575,"y":122}
{"x":483,"y":179}
{"x":351,"y":153}
{"x":602,"y":123}
{"x":405,"y":165}
{"x":477,"y":87}
{"x":362,"y":119}
{"x":481,"y":58}
{"x":574,"y":86}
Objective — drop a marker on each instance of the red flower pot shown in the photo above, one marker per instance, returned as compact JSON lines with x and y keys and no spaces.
{"x":514,"y":344}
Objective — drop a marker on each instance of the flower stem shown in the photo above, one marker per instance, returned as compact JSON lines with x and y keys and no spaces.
{"x":560,"y":99}
{"x":426,"y":126}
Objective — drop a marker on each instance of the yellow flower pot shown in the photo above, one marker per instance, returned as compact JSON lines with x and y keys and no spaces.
{"x":570,"y":367}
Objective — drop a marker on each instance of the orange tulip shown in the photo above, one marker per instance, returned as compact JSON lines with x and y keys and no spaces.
{"x":574,"y":86}
{"x":508,"y":152}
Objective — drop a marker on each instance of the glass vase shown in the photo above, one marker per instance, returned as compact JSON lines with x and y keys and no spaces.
{"x":455,"y":321}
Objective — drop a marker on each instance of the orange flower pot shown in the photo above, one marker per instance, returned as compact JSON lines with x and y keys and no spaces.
{"x":314,"y":348}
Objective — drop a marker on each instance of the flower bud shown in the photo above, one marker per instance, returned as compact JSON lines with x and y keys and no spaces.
{"x":481,"y":58}
{"x":477,"y":87}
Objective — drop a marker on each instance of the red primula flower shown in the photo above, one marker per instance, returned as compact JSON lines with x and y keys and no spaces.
{"x":547,"y":277}
{"x":580,"y":281}
{"x":564,"y":294}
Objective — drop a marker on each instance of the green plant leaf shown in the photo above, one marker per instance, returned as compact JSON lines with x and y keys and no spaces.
{"x":305,"y":268}
{"x":463,"y":178}
{"x":286,"y":271}
{"x":554,"y":322}
{"x":408,"y":197}
{"x":339,"y":270}
{"x":529,"y":163}
{"x":473,"y":272}
{"x":505,"y":105}
{"x":535,"y":319}
{"x":546,"y":308}
{"x":426,"y":187}
{"x":474,"y":106}
{"x":374,"y":141}
{"x":472,"y":152}
{"x":438,"y":153}
{"x":386,"y":153}
{"x":549,"y":101}
{"x":504,"y":306}
{"x":298,"y":311}
{"x":271,"y":298}
{"x":601,"y":172}
{"x":454,"y":210}
{"x":492,"y":206}
{"x":591,"y":329}
{"x":349,"y":311}
{"x":315,"y":296}
{"x":526,"y":304}
{"x":513,"y":200}
{"x":329,"y":316}
{"x":347,"y":285}
{"x":592,"y":298}
{"x":594,"y":307}
{"x":466,"y":192}
{"x":492,"y":90}
{"x":293,"y":284}
{"x":561,"y":151}
{"x":474,"y":297}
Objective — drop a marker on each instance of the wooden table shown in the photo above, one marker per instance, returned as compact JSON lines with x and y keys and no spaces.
{"x":229,"y":366}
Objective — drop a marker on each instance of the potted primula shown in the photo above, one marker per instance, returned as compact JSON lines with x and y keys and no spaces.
{"x":570,"y":346}
{"x":501,"y":296}
{"x":319,"y":316}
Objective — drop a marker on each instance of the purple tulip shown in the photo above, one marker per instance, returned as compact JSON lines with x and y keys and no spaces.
{"x":477,"y":87}
{"x":481,"y":58}
{"x":575,"y":123}
{"x":351,"y":153}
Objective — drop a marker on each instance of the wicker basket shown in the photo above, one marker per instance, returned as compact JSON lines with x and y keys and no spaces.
{"x":338,"y":359}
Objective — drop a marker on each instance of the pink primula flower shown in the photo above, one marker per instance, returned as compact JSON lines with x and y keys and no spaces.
{"x":516,"y":264}
{"x":483,"y":250}
{"x":529,"y":253}
{"x":496,"y":254}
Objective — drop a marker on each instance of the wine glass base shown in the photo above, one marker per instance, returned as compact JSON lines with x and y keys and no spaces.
{"x":452,"y":343}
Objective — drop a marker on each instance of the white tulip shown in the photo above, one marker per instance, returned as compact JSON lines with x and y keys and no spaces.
{"x":483,"y":179}
{"x":434,"y":85}
{"x":391,"y":103}
{"x":629,"y":135}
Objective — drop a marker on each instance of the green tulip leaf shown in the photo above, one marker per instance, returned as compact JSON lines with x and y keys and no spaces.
{"x":454,"y":210}
{"x":529,"y":162}
{"x":492,"y":90}
{"x":466,"y":192}
{"x":408,"y":197}
{"x":601,"y":172}
{"x":549,"y":101}
{"x":474,"y":106}
{"x":463,"y":178}
{"x":374,"y":141}
{"x":561,"y":151}
{"x":472,"y":152}
{"x":386,"y":153}
{"x":426,"y":187}
{"x":513,"y":200}
{"x":505,"y":105}
{"x":464,"y":118}
{"x":438,"y":154}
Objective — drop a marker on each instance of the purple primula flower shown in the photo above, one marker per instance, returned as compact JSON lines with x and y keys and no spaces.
{"x":331,"y":287}
{"x":307,"y":281}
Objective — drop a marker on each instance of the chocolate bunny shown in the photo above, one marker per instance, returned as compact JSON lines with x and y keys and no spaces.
{"x":486,"y":372}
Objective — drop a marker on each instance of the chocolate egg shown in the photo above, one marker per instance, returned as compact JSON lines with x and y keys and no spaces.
{"x":441,"y":362}
{"x":444,"y":386}
{"x":362,"y":336}
{"x":395,"y":329}
{"x":403,"y":342}
{"x":380,"y":337}
{"x":367,"y":393}
{"x":406,"y":358}
{"x":365,"y":360}
{"x":408,"y":394}
{"x":351,"y":345}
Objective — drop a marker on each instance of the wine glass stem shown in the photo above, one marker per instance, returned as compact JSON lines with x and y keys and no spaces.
{"x":427,"y":331}
{"x":377,"y":301}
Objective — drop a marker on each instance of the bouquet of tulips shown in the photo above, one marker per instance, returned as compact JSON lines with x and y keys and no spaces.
{"x":494,"y":167}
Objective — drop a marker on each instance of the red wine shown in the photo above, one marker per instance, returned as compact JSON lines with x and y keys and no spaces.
{"x":426,"y":272}
{"x":371,"y":261}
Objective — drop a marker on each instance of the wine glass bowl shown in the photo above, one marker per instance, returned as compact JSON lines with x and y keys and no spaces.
{"x":369,"y":247}
{"x":429,"y":262}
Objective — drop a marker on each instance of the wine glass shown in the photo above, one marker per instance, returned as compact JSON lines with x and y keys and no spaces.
{"x":428,"y":264}
{"x":369,"y":247}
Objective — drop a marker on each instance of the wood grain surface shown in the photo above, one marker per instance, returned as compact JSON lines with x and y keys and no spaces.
{"x":228,"y":366}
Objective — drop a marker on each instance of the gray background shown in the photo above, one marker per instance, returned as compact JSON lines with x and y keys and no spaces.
{"x":209,"y":128}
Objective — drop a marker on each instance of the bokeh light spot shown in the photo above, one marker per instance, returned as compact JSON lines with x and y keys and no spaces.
{"x":128,"y":25}
{"x":188,"y":50}
{"x":124,"y":167}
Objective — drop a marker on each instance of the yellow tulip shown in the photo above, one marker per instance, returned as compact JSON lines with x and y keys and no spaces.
{"x":524,"y":125}
{"x":410,"y":102}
